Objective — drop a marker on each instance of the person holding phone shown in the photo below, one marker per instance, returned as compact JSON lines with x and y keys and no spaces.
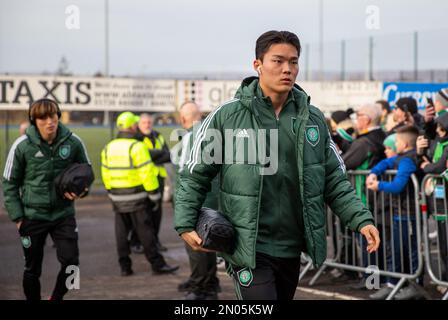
{"x":403,"y":113}
{"x":433,"y":110}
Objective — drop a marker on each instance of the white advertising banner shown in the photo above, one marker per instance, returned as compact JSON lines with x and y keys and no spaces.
{"x":120,"y":94}
{"x":341,"y":95}
{"x":89,"y":93}
{"x":208,"y":94}
{"x":327,"y":96}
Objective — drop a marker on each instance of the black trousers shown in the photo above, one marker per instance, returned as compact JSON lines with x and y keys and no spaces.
{"x":154,"y":217}
{"x":33,"y":234}
{"x":203,"y":271}
{"x":272,"y":279}
{"x":137,"y":221}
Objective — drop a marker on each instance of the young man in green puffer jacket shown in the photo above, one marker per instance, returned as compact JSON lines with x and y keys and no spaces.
{"x":275,"y":199}
{"x":35,"y":159}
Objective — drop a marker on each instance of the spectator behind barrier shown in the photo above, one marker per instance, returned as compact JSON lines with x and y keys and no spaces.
{"x":438,"y":151}
{"x":406,"y":113}
{"x":343,"y":129}
{"x":368,"y":148}
{"x":390,"y":147}
{"x":435,"y":110}
{"x":386,"y":114}
{"x":403,"y":208}
{"x":363,"y":154}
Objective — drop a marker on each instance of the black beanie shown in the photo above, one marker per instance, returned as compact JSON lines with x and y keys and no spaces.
{"x":339,"y":116}
{"x":443,"y":121}
{"x":407,"y":104}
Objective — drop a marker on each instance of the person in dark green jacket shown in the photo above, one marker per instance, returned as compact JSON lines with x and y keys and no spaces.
{"x":278,"y":167}
{"x":34,"y":160}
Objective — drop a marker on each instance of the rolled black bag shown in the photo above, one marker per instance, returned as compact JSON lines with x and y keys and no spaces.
{"x":216,"y":232}
{"x":75,"y":178}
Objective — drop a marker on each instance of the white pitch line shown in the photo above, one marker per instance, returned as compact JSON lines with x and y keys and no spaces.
{"x":328,"y":294}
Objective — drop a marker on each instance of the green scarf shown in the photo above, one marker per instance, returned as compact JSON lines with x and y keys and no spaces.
{"x":439,"y":151}
{"x":344,"y":134}
{"x":441,"y":112}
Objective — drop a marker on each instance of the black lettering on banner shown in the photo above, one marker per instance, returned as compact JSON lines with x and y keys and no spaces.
{"x":84,"y":93}
{"x":68,"y":92}
{"x":3,"y":90}
{"x":23,"y":86}
{"x":49,"y":91}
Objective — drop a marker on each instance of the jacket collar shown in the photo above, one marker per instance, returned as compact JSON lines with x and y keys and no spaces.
{"x":247,"y":93}
{"x":34,"y":136}
{"x":444,"y":139}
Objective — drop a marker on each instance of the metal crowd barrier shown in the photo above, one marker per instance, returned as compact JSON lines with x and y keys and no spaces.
{"x":434,"y":209}
{"x":399,"y":227}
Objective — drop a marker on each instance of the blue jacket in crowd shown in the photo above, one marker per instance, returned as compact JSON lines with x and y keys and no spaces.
{"x":405,"y":167}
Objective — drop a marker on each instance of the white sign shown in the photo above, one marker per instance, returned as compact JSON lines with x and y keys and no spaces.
{"x":341,"y":95}
{"x":120,"y":94}
{"x":208,"y":94}
{"x":327,"y":96}
{"x":89,"y":94}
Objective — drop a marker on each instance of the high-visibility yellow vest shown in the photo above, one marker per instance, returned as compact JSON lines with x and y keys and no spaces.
{"x":126,"y":163}
{"x":160,"y":141}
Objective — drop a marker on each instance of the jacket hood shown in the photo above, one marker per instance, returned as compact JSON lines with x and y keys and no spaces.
{"x":247,"y":92}
{"x":34,"y":136}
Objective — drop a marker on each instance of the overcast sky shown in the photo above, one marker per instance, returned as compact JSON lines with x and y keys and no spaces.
{"x":182,"y":36}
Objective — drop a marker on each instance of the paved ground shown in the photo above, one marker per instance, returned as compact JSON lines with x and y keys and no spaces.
{"x":100,"y":273}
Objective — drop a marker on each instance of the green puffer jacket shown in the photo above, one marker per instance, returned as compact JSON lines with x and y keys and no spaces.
{"x":322,"y":179}
{"x":30,"y":170}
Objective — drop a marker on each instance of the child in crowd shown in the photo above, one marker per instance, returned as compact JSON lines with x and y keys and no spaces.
{"x":401,"y":188}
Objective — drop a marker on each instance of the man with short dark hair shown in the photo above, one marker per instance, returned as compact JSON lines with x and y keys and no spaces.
{"x":278,"y":167}
{"x":36,"y":158}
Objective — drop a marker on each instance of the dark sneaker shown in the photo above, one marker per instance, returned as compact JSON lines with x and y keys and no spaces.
{"x":185,"y":286}
{"x":166,"y":268}
{"x":126,"y":272}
